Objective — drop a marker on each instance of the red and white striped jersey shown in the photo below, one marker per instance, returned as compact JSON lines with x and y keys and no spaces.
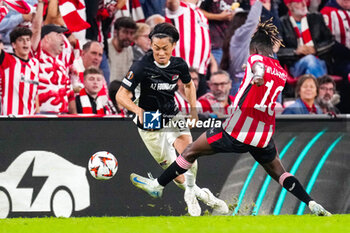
{"x":182,"y":104}
{"x":253,"y":119}
{"x":338,"y":22}
{"x":55,"y":91}
{"x":194,"y":45}
{"x":209,"y":104}
{"x":19,"y":84}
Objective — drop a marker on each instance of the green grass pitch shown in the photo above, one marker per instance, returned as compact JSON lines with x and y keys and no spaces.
{"x":242,"y":224}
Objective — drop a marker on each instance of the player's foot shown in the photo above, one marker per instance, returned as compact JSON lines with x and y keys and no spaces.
{"x":209,"y":199}
{"x":147,"y":184}
{"x":317,"y":209}
{"x":193,"y":206}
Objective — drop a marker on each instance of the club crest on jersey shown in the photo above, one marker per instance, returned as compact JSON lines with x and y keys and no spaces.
{"x":130,"y":75}
{"x":175,"y":77}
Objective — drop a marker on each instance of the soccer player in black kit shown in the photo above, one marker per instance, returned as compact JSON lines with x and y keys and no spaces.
{"x":251,"y":124}
{"x":154,"y":81}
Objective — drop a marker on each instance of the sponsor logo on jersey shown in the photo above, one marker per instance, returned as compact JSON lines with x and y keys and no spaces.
{"x":163,"y":86}
{"x":152,"y":120}
{"x":26,"y":80}
{"x":155,"y":76}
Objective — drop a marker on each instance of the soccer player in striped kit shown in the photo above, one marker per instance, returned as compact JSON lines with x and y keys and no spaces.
{"x":251,"y":124}
{"x":19,"y":76}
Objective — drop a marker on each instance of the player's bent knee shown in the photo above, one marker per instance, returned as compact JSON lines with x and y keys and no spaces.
{"x":189,"y":154}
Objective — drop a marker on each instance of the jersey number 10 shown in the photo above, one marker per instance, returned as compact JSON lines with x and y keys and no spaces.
{"x":262,"y":106}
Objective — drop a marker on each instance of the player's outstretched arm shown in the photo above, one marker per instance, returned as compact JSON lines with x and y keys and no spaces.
{"x":123,"y":97}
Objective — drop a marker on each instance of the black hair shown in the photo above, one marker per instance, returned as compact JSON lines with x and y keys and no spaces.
{"x":265,"y":37}
{"x":237,"y":21}
{"x":124,"y":22}
{"x":18,"y":32}
{"x":326,"y":79}
{"x":163,"y":30}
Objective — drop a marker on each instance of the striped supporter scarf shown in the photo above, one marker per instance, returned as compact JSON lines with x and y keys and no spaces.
{"x":303,"y":38}
{"x":86,"y":104}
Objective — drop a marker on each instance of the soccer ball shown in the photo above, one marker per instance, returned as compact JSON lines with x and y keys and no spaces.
{"x":103,"y":165}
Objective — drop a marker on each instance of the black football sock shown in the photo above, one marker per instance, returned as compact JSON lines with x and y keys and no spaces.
{"x":177,"y":168}
{"x":293,"y":185}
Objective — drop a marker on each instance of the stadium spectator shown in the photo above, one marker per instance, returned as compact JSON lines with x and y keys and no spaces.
{"x":248,"y":129}
{"x":219,"y":14}
{"x":307,"y":41}
{"x":119,"y":47}
{"x":155,"y":19}
{"x":327,"y":96}
{"x":11,"y":21}
{"x":56,"y":95}
{"x":100,"y":15}
{"x":142,"y":41}
{"x":55,"y":56}
{"x":218,"y":100}
{"x":91,"y":55}
{"x":157,"y":74}
{"x":306,"y":91}
{"x":19,"y":76}
{"x":236,"y":43}
{"x":88,"y":101}
{"x":194,"y":45}
{"x":337,"y":16}
{"x":270,"y":10}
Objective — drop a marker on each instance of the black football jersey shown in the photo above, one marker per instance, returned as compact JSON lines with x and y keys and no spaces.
{"x":157,"y":83}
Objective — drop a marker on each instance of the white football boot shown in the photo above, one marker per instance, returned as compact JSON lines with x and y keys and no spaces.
{"x":193,"y":206}
{"x":149,"y":185}
{"x":317,"y":209}
{"x":209,"y":199}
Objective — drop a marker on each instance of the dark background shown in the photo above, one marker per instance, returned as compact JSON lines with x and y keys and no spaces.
{"x":77,"y":139}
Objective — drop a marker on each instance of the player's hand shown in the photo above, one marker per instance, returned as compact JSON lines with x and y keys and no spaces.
{"x":257,"y":80}
{"x":140,"y":115}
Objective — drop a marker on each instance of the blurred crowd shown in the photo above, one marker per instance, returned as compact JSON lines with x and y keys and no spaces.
{"x":70,"y":56}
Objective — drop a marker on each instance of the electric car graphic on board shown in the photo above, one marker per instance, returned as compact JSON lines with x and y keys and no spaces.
{"x":42,"y":181}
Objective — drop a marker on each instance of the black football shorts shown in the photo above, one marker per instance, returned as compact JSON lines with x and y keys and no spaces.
{"x":221,"y":141}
